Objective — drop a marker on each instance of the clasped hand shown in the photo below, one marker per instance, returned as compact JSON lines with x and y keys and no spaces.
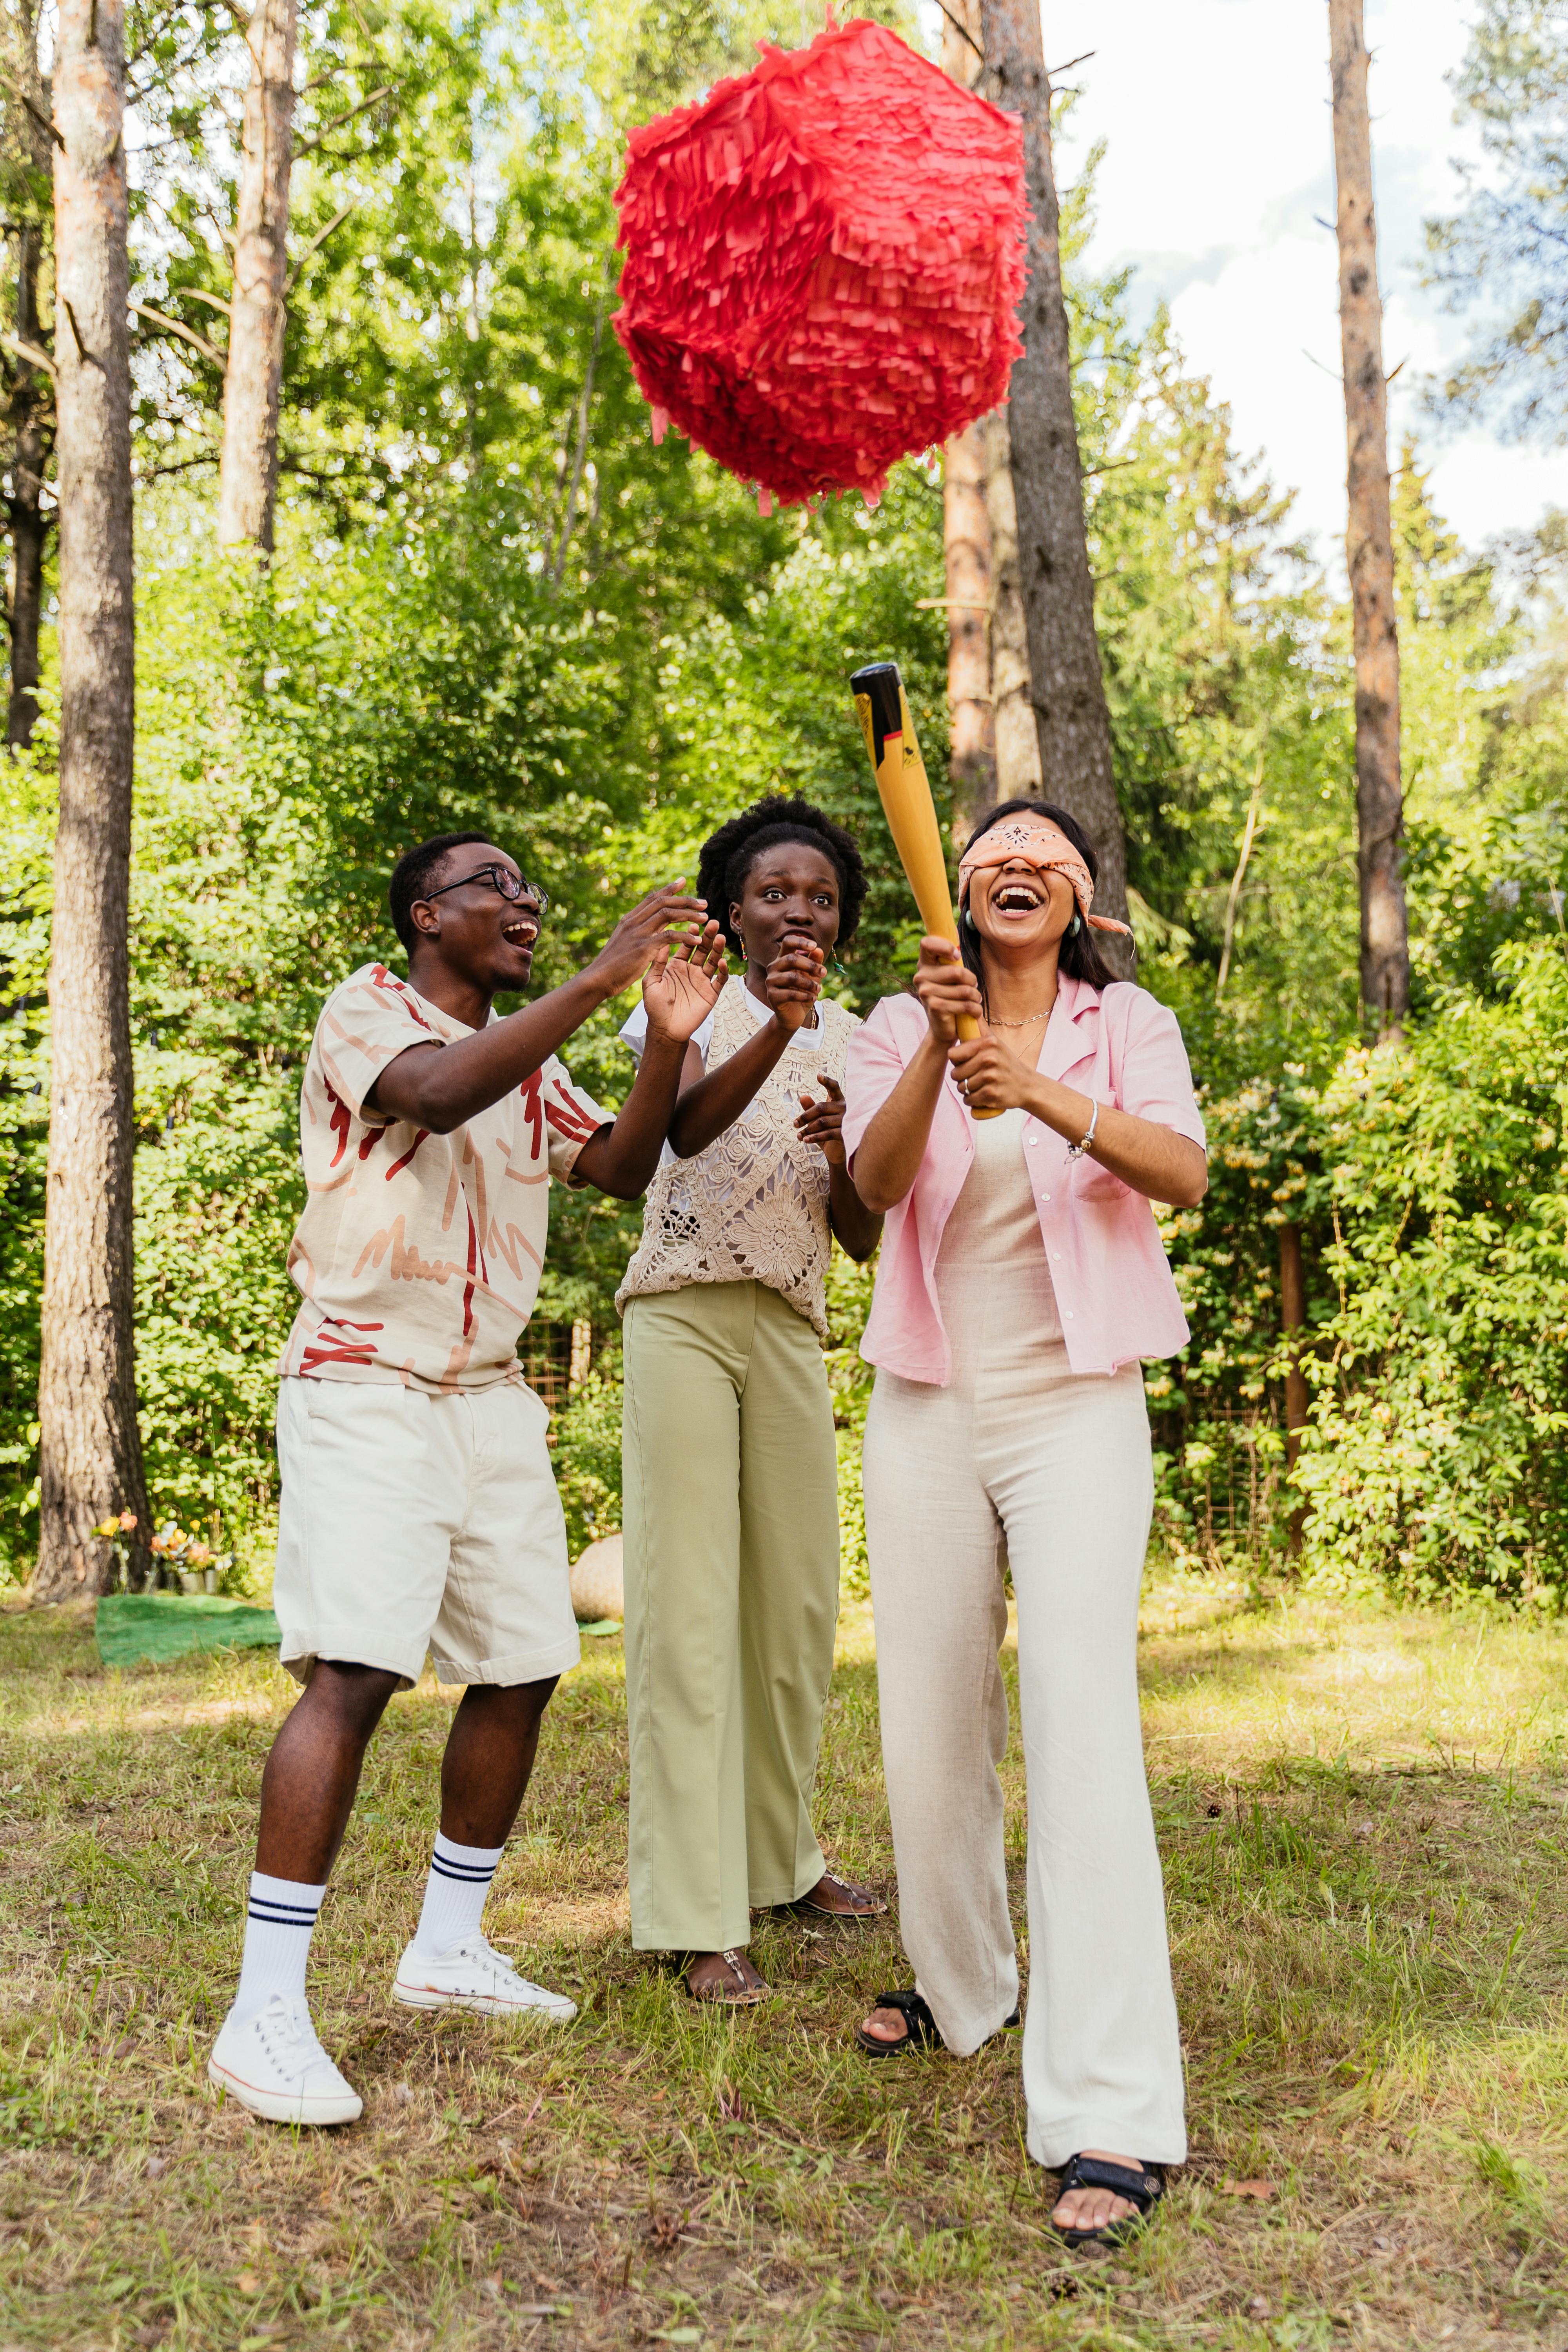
{"x":794,"y":983}
{"x":989,"y":1076}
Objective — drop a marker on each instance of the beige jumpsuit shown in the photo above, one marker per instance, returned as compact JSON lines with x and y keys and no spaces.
{"x":1018,"y":1458}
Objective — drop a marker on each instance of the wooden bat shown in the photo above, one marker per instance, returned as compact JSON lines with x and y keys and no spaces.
{"x":883,"y":710}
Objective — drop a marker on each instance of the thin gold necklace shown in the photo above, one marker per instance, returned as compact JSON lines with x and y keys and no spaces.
{"x":993,"y":1023}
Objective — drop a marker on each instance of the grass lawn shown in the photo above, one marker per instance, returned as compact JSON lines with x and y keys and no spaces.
{"x":1363,"y":1825}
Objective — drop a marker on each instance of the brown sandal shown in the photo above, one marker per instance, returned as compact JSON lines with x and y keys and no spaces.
{"x":870,"y":1908}
{"x":744,"y":1996}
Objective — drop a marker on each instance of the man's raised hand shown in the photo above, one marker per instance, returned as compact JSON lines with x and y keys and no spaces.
{"x":683,"y":983}
{"x":666,"y":919}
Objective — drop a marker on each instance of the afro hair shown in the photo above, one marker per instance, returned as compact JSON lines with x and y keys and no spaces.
{"x":729,"y":855}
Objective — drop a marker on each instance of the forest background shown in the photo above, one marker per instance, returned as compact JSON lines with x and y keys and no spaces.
{"x":495,"y":604}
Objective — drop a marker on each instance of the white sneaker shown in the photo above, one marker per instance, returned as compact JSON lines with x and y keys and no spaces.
{"x":274,"y":2066}
{"x":473,"y":1975}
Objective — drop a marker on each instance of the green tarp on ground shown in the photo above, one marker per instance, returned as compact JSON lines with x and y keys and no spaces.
{"x":137,"y":1629}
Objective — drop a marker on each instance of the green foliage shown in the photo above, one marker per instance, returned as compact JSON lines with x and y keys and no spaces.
{"x":587,"y":1443}
{"x":1437,"y":1455}
{"x":1428,"y":1189}
{"x":216,"y":1201}
{"x":1217,"y":1412}
{"x":849,"y":1379}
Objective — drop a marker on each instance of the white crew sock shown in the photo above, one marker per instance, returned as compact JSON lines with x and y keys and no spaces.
{"x":455,"y":1895}
{"x":277,"y":1943}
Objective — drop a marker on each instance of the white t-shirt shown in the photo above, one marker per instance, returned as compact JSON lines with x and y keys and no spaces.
{"x":635,"y":1031}
{"x":804,"y":1041}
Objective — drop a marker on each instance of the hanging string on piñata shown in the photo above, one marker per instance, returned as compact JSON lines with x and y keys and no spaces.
{"x":824,"y":261}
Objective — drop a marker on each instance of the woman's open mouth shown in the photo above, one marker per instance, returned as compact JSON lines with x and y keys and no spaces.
{"x":1017,"y":898}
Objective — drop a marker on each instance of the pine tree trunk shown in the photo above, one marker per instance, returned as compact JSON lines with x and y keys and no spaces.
{"x":258,"y":308}
{"x":31,"y":410}
{"x":966,"y":531}
{"x":90,"y":1454}
{"x":967,"y":537}
{"x":1069,"y":689}
{"x":1369,"y":542}
{"x":1016,"y":737}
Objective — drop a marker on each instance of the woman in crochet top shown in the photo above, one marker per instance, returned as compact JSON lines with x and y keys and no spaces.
{"x":731,"y":1465}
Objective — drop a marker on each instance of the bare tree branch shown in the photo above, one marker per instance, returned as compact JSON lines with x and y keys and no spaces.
{"x":41,"y":119}
{"x":184,"y":466}
{"x":308,"y":146}
{"x":198,"y":294}
{"x":318,"y":241}
{"x":186,"y":334}
{"x":31,"y":353}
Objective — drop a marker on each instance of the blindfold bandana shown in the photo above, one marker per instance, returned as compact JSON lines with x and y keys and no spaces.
{"x":1035,"y":843}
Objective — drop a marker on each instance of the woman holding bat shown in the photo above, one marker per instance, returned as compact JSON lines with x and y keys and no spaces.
{"x":1021,"y":1280}
{"x":731,"y":1463}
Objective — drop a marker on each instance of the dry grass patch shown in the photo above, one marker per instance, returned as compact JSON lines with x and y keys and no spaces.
{"x":1363,"y":1825}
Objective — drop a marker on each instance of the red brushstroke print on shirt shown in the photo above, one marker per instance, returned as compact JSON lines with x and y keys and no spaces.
{"x":398,"y":1165}
{"x":530,"y":1091}
{"x":340,"y":1122}
{"x":568,"y":1117}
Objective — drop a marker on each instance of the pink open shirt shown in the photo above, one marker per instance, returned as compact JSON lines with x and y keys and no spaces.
{"x":1114,"y":1285}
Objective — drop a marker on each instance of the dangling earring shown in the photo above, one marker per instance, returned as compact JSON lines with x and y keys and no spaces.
{"x":966,"y":920}
{"x":1074,"y":926}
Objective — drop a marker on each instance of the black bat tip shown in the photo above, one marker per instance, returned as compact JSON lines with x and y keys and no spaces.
{"x":883,"y":688}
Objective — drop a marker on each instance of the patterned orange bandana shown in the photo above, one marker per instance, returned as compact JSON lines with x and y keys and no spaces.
{"x":1036,"y":843}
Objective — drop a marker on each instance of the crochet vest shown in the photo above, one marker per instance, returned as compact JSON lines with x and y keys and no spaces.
{"x":752,"y":1207}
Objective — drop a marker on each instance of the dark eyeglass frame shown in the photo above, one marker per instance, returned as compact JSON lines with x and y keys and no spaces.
{"x":502,"y":881}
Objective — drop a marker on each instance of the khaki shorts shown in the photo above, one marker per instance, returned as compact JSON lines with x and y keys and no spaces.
{"x":413,"y":1523}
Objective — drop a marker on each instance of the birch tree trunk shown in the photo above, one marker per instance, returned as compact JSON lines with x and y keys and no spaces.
{"x":90,"y":1453}
{"x":1018,"y":737}
{"x":1069,"y":689}
{"x":259,"y":307}
{"x":1369,"y":542}
{"x":32,"y":405}
{"x":966,"y":539}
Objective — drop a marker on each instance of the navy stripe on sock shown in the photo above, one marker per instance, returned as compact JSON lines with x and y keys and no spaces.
{"x":466,"y":1874}
{"x":283,"y":1915}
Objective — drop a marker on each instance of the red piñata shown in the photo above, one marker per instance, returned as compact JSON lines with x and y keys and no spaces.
{"x":824,"y":259}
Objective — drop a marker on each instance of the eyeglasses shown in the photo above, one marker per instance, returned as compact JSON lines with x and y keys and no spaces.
{"x":502,"y":879}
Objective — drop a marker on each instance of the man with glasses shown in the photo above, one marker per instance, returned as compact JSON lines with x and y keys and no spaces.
{"x":419,"y":1511}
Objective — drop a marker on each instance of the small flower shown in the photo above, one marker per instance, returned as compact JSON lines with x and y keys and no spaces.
{"x":127,"y":1520}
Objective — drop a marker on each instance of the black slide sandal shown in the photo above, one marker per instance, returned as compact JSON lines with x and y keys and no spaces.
{"x":919,"y":2032}
{"x":923,"y":2032}
{"x":1143,"y":2188}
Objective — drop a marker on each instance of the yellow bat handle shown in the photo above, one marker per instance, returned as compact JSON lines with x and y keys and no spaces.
{"x":911,"y":811}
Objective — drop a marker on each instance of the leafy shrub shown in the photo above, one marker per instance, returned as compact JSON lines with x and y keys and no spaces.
{"x":216,"y":1201}
{"x":587,"y":1453}
{"x":1435,"y":1458}
{"x":1427,"y":1185}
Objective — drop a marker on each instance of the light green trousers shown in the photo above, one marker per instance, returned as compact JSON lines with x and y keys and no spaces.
{"x":730,"y":1520}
